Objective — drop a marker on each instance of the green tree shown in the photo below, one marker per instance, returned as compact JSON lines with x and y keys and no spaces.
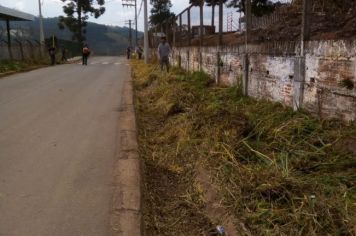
{"x":160,"y":11}
{"x":77,"y":13}
{"x":258,"y":7}
{"x":196,"y":2}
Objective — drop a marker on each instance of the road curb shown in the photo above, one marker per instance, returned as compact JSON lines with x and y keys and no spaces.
{"x":126,"y":219}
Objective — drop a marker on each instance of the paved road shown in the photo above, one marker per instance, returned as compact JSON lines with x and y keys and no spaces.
{"x":57,"y":148}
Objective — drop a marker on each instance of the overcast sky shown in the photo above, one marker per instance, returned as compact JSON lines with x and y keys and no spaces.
{"x":115,"y":13}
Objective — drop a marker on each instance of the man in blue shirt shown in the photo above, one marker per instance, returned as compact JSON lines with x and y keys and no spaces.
{"x":163,"y":53}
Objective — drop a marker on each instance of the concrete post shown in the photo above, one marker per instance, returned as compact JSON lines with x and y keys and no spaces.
{"x":146,"y":31}
{"x":174,"y":32}
{"x":245,"y":75}
{"x":298,"y":83}
{"x":220,"y":21}
{"x":218,"y":68}
{"x":201,"y":34}
{"x":299,"y":63}
{"x":188,"y":60}
{"x":307,"y":5}
{"x":180,"y":30}
{"x":248,"y":18}
{"x":189,"y":28}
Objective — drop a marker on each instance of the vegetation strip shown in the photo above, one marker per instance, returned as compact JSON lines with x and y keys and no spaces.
{"x":276,"y":171}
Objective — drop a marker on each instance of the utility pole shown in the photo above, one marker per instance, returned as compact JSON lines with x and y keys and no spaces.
{"x":132,"y":3}
{"x":129,"y":22}
{"x":41,"y":22}
{"x":146,"y":31}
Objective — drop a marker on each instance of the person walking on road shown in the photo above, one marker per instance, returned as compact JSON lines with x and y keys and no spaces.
{"x":163,"y":52}
{"x":128,"y":52}
{"x":52,"y":54}
{"x":86,"y":53}
{"x":64,"y":57}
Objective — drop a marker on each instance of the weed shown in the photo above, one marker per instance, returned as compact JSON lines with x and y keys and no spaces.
{"x":279,"y":172}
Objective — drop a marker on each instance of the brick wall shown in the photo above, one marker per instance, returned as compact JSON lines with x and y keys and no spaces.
{"x":328,"y":66}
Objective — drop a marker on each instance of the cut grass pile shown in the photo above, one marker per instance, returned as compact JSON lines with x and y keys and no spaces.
{"x":278,"y":172}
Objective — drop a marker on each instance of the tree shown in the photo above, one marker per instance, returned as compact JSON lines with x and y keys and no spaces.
{"x":258,"y":7}
{"x":77,"y":13}
{"x":160,"y":11}
{"x":196,"y":2}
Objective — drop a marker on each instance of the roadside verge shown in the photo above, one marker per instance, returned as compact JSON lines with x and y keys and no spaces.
{"x":126,"y":214}
{"x":28,"y":68}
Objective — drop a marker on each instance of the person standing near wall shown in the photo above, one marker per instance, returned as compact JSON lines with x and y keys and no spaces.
{"x":163,"y":52}
{"x":139,"y":52}
{"x":64,"y":57}
{"x":52,"y":54}
{"x":128,"y":52}
{"x":86,"y":53}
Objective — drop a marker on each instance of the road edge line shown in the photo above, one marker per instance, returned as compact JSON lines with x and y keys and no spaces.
{"x":126,"y":217}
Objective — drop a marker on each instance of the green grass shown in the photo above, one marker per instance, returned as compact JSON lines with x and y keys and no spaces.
{"x":7,"y":65}
{"x":279,"y":172}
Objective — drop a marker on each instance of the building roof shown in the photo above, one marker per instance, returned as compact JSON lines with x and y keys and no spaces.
{"x":14,"y":15}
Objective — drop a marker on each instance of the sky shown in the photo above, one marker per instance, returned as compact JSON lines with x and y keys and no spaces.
{"x":115,"y":13}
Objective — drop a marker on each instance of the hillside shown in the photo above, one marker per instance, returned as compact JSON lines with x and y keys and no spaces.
{"x":103,"y":39}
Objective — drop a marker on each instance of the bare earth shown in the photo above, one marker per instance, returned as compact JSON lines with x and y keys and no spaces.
{"x":58,"y":142}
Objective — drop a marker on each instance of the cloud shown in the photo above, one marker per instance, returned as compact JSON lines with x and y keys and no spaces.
{"x":20,"y":5}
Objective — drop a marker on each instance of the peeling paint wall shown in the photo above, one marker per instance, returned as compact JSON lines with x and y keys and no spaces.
{"x":328,"y":66}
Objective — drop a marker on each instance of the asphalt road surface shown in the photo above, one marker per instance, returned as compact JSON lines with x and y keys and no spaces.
{"x":57,"y":148}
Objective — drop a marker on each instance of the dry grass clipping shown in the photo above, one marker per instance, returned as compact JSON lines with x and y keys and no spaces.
{"x":279,"y":172}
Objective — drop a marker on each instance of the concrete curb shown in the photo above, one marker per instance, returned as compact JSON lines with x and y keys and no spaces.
{"x":126,"y":217}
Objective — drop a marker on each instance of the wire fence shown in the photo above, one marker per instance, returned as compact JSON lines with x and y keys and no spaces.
{"x":221,"y":25}
{"x":22,"y":46}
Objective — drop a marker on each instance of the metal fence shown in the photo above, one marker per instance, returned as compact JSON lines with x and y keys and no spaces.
{"x":24,"y":47}
{"x":220,"y":25}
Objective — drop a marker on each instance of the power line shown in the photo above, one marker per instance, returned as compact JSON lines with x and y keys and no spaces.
{"x":139,"y":12}
{"x":129,"y":22}
{"x":132,"y":3}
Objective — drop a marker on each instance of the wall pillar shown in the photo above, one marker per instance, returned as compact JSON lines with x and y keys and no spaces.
{"x":218,"y":68}
{"x":188,"y":60}
{"x":246,"y":66}
{"x":298,"y":82}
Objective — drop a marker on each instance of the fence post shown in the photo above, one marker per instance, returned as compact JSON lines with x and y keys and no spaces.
{"x":220,"y":22}
{"x":189,"y":28}
{"x":9,"y":38}
{"x":32,"y":54}
{"x":307,"y":4}
{"x":21,"y":49}
{"x":174,"y":31}
{"x":245,"y":78}
{"x":299,"y":61}
{"x":180,"y":30}
{"x":201,"y":34}
{"x":167,"y":25}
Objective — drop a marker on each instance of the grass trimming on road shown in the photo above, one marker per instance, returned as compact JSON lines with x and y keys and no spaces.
{"x":277,"y":171}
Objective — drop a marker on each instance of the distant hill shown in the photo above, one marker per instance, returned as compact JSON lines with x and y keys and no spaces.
{"x":102,"y":39}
